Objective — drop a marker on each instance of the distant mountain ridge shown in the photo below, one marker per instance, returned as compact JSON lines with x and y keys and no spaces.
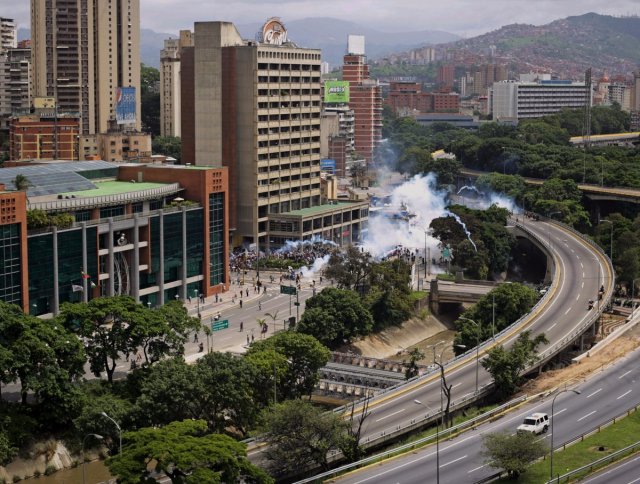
{"x":567,"y":46}
{"x":328,"y":34}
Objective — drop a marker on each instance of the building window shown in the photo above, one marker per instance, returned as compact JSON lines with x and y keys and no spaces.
{"x":216,"y":239}
{"x":137,"y":207}
{"x":116,"y":211}
{"x":10,"y":270}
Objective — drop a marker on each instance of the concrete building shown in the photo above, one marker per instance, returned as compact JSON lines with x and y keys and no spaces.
{"x":408,"y":97}
{"x":82,"y":52}
{"x":445,"y":77}
{"x":116,"y":145}
{"x":526,"y":100}
{"x":15,"y":84}
{"x":158,"y":239}
{"x":256,"y":109}
{"x":365,"y":99}
{"x":170,"y":107}
{"x":8,"y":35}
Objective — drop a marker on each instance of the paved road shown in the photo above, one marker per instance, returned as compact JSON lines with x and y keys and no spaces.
{"x":624,"y":472}
{"x":232,"y":339}
{"x":606,"y":395}
{"x":580,"y":273}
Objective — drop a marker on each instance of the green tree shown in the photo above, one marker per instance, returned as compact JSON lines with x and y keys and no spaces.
{"x":150,"y":99}
{"x":107,"y":323}
{"x":415,"y":355}
{"x":301,"y":435}
{"x":305,"y":356}
{"x":389,"y":294}
{"x":186,"y":453}
{"x":168,"y":145}
{"x":37,"y":218}
{"x":512,"y":301}
{"x":513,"y":452}
{"x":335,"y":316}
{"x":41,"y":356}
{"x":271,"y":370}
{"x":506,"y":366}
{"x":349,"y":269}
{"x":21,"y":182}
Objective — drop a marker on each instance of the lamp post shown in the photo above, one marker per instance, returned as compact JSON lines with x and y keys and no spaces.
{"x":418,"y":402}
{"x":104,"y":414}
{"x":577,"y":392}
{"x":493,"y":317}
{"x":97,"y":436}
{"x":611,"y":238}
{"x":477,"y":346}
{"x":149,"y":304}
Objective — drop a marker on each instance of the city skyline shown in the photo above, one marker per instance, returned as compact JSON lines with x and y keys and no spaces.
{"x":461,"y":17}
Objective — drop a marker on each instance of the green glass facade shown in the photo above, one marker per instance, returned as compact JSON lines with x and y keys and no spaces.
{"x":195,"y":242}
{"x":216,"y":239}
{"x":40,"y":273}
{"x":10,"y":258}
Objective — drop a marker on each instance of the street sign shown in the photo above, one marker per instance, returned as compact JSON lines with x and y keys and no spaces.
{"x":291,"y":290}
{"x":296,"y":303}
{"x":218,"y":325}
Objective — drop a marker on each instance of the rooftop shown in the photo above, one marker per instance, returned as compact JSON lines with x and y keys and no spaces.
{"x":113,"y":187}
{"x":320,"y":209}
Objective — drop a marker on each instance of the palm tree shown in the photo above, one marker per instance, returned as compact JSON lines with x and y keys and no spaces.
{"x":21,"y":182}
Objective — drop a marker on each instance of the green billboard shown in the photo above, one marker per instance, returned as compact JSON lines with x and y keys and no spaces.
{"x":336,"y":91}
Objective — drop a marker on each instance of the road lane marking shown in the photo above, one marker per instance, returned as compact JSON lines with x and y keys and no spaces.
{"x":456,"y":385}
{"x":554,"y":324}
{"x":594,"y":393}
{"x":624,"y":395}
{"x":391,"y":414}
{"x":587,"y":415}
{"x":559,"y":412}
{"x":567,"y":311}
{"x":581,"y":264}
{"x":578,"y":296}
{"x":477,"y":469}
{"x":453,"y":461}
{"x":582,"y":286}
{"x":624,"y":374}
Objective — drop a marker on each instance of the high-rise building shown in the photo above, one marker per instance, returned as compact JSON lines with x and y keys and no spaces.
{"x":15,"y":83}
{"x":526,"y":100}
{"x":83,"y":51}
{"x":445,"y":77}
{"x":365,"y":99}
{"x":170,"y":106}
{"x":8,"y":35}
{"x":44,"y":136}
{"x":254,"y":106}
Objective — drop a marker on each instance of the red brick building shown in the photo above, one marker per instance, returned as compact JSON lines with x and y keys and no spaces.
{"x":39,"y":137}
{"x":408,"y":96}
{"x":365,"y":99}
{"x":446,"y":76}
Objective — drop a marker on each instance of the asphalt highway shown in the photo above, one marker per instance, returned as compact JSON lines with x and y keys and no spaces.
{"x":607,"y":394}
{"x":580,"y":271}
{"x":624,"y":472}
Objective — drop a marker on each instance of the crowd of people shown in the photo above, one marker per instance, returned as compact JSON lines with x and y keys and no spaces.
{"x":302,"y":253}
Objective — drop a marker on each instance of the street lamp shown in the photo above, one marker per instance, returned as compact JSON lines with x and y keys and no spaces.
{"x":577,"y":392}
{"x":104,"y":414}
{"x":418,"y":402}
{"x":477,"y":346}
{"x":611,"y":241}
{"x":97,"y":436}
{"x":149,"y":304}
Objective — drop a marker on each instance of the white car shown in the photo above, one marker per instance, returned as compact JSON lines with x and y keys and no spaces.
{"x":536,"y":423}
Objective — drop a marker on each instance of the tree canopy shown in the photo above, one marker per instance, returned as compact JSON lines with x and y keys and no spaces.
{"x":186,"y":453}
{"x":513,"y":452}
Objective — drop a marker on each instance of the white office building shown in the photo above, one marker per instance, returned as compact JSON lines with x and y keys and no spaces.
{"x":525,"y":100}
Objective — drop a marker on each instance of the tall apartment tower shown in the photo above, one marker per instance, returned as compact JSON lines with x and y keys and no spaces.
{"x":82,"y":52}
{"x":254,"y":106}
{"x":15,"y":83}
{"x":8,"y":35}
{"x":170,"y":105}
{"x":365,"y":99}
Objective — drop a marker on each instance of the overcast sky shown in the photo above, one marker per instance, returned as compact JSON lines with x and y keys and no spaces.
{"x":463,"y":17}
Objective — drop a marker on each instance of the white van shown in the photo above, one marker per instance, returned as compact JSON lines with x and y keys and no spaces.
{"x":536,"y":423}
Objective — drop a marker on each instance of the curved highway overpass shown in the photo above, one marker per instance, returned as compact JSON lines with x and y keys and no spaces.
{"x":562,"y":315}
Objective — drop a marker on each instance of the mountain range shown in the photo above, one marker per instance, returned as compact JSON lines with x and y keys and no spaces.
{"x":328,"y":34}
{"x":567,"y":46}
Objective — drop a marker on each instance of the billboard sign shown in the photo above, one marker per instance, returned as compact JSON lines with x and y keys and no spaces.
{"x":126,"y":105}
{"x":273,"y":32}
{"x":336,"y":92}
{"x":328,"y":165}
{"x":44,"y":102}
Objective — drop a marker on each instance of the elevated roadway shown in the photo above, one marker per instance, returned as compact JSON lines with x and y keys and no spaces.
{"x":607,"y":395}
{"x":594,"y":192}
{"x":562,"y":315}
